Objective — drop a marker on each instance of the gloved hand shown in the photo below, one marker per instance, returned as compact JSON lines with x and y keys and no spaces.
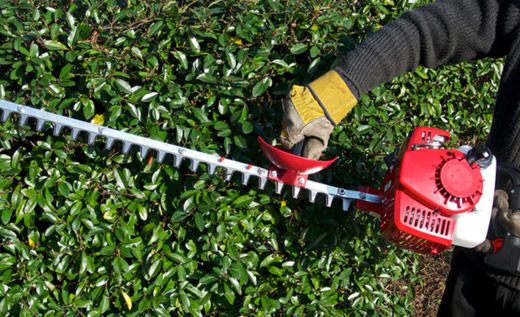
{"x":312,"y":112}
{"x":503,"y":220}
{"x":508,"y":219}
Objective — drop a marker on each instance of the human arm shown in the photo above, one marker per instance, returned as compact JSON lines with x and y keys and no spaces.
{"x":440,"y":33}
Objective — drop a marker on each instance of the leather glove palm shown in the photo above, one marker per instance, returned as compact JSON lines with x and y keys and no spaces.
{"x":312,"y":112}
{"x":508,"y":219}
{"x":503,"y":220}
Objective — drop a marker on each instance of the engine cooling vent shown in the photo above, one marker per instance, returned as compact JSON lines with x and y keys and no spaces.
{"x":413,"y":226}
{"x":427,"y":220}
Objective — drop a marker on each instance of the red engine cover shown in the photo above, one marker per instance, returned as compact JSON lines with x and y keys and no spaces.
{"x":423,"y":189}
{"x":441,"y":179}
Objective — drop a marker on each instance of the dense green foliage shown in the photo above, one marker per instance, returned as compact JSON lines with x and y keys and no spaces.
{"x":88,"y":231}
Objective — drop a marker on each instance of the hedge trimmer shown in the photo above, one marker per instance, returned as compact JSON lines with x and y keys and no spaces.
{"x":431,"y":197}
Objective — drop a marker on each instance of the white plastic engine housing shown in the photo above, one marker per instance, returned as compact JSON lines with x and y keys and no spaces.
{"x":472,"y":227}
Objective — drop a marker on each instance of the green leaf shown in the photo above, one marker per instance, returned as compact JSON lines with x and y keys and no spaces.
{"x":123,"y":86}
{"x":70,"y":19}
{"x":282,"y":63}
{"x":120,"y":179}
{"x":65,"y":71}
{"x":143,"y":212}
{"x":5,"y":162}
{"x":199,"y":221}
{"x":207,"y":78}
{"x":89,"y":109}
{"x":84,"y":262}
{"x":240,"y":141}
{"x":314,"y":52}
{"x":6,"y":215}
{"x":275,"y":270}
{"x":200,"y":114}
{"x":247,"y":127}
{"x":399,"y":309}
{"x":101,"y":281}
{"x":261,"y":86}
{"x":185,"y":301}
{"x":54,"y":45}
{"x":73,"y":37}
{"x":421,"y":72}
{"x":181,"y":57}
{"x":105,"y":303}
{"x":236,"y":285}
{"x":107,"y":250}
{"x":76,"y":208}
{"x":243,"y":200}
{"x":149,"y":97}
{"x":179,"y":216}
{"x":194,"y":43}
{"x":154,"y":269}
{"x":155,"y":28}
{"x":64,"y":189}
{"x":229,"y":294}
{"x":298,"y":48}
{"x":209,"y":279}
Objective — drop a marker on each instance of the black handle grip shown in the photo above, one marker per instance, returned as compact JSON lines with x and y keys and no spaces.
{"x":297,"y":149}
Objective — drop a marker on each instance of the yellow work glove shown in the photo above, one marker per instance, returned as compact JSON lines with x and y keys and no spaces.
{"x":312,"y":112}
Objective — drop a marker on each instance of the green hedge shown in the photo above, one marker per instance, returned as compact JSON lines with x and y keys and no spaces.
{"x":89,"y":231}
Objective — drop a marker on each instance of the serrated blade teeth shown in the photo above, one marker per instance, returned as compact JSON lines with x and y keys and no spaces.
{"x":91,"y":138}
{"x":295,"y":191}
{"x":109,"y":143}
{"x":144,"y":151}
{"x":212,"y":162}
{"x":346,"y":204}
{"x":245,"y":178}
{"x":229,"y":174}
{"x":177,"y":160}
{"x":57,"y":129}
{"x":5,"y":115}
{"x":39,"y":124}
{"x":160,"y":156}
{"x":211,"y":169}
{"x":278,"y":187}
{"x":23,"y":120}
{"x":328,"y":200}
{"x":261,"y":182}
{"x":312,"y":196}
{"x":74,"y":133}
{"x":194,"y":165}
{"x":126,"y":147}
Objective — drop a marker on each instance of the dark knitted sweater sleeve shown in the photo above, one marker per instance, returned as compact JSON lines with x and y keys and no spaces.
{"x":439,"y":33}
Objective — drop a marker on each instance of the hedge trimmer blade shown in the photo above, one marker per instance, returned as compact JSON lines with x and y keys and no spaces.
{"x":179,"y":153}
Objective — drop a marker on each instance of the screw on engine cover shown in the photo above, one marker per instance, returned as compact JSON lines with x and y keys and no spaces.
{"x":182,"y":151}
{"x":362,"y":195}
{"x":101,"y":130}
{"x":341,"y":192}
{"x":261,"y":171}
{"x":21,"y":108}
{"x":301,"y":180}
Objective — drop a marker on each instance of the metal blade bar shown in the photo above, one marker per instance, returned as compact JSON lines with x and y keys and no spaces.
{"x":179,"y":153}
